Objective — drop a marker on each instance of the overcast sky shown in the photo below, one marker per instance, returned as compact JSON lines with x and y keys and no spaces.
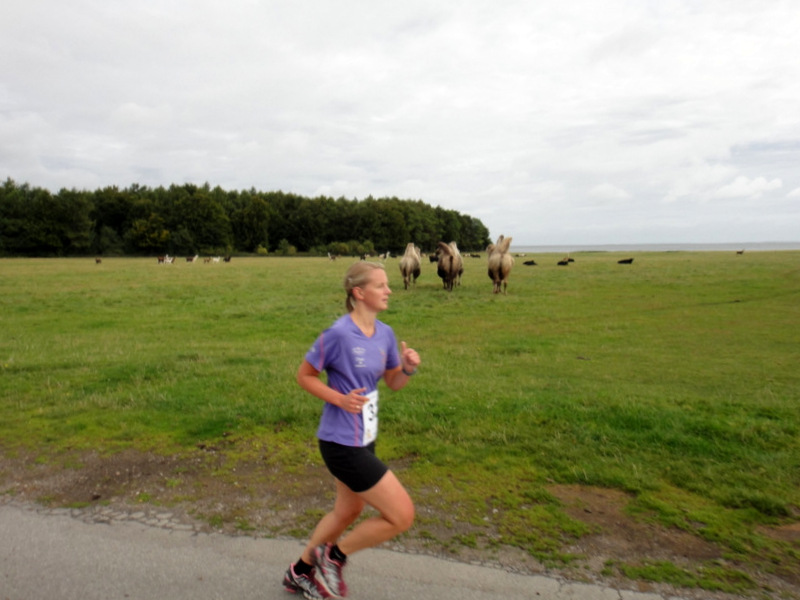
{"x":552,"y":121}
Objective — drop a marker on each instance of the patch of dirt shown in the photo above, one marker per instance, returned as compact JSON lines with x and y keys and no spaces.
{"x":259,"y":497}
{"x":603,"y":508}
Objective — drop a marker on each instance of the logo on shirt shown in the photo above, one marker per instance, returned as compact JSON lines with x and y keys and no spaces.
{"x":359,"y":358}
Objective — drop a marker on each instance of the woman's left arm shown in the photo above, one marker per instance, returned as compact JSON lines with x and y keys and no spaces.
{"x":398,"y":377}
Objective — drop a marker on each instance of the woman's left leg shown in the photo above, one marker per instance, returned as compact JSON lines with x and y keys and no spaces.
{"x":346,"y":509}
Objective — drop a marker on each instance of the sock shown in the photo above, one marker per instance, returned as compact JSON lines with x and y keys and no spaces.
{"x":302,"y":568}
{"x":337,"y":554}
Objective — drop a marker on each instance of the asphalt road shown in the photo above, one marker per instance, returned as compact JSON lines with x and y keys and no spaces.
{"x":52,"y":555}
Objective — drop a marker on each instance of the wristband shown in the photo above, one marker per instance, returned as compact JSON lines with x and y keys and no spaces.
{"x":406,"y":373}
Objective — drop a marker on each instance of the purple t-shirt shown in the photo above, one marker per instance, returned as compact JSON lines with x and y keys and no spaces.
{"x":352,"y":361}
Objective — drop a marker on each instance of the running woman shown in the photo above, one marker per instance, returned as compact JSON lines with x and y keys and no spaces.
{"x":355,"y":353}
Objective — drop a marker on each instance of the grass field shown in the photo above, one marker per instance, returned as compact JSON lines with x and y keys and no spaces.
{"x":675,"y":379}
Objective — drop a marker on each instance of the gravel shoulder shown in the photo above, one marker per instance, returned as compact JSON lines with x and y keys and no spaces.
{"x":193,"y":494}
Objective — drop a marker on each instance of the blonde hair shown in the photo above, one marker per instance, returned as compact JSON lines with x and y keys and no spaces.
{"x":358,"y":276}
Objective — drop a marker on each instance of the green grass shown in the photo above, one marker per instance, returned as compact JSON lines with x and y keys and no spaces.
{"x":713,"y":578}
{"x":675,"y":379}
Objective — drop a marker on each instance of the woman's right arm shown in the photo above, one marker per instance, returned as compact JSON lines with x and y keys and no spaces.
{"x":308,"y":378}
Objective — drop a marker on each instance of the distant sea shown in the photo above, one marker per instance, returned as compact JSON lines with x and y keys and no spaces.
{"x":747,"y":246}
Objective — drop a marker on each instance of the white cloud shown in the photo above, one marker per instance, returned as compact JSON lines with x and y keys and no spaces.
{"x":606,"y":191}
{"x":742,"y":187}
{"x":138,"y":116}
{"x":507,"y":111}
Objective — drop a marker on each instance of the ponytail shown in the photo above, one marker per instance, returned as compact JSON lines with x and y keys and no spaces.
{"x":357,"y":276}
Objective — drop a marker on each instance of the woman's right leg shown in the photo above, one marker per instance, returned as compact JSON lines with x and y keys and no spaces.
{"x":390,"y":499}
{"x":396,"y":509}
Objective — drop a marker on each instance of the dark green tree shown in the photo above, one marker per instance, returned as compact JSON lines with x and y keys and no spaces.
{"x":34,"y":222}
{"x":195,"y":212}
{"x":13,"y":218}
{"x":111,"y":217}
{"x":189,"y":219}
{"x":148,"y":236}
{"x":70,"y":218}
{"x":250,"y":223}
{"x":449,"y":226}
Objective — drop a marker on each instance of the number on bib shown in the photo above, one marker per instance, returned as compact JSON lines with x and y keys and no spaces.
{"x":369,"y":414}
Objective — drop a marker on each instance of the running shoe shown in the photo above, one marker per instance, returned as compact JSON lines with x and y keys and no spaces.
{"x":303,"y":584}
{"x":330,"y":571}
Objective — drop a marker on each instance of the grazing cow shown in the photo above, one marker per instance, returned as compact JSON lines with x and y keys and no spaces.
{"x":740,"y":251}
{"x":410,"y":265}
{"x":450,"y":266}
{"x":500,"y":263}
{"x":625,"y":261}
{"x":565,"y":261}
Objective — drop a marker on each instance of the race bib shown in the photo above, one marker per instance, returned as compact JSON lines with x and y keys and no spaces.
{"x":369,"y":413}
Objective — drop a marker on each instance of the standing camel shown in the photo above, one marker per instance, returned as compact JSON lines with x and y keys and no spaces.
{"x":450,"y":265}
{"x":410,"y":265}
{"x":500,"y":263}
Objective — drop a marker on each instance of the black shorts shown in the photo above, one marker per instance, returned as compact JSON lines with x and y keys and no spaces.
{"x":357,"y":468}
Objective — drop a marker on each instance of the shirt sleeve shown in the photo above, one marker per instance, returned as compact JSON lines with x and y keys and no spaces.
{"x":323,"y":351}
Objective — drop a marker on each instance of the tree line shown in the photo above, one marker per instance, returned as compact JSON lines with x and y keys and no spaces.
{"x":190,"y":219}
